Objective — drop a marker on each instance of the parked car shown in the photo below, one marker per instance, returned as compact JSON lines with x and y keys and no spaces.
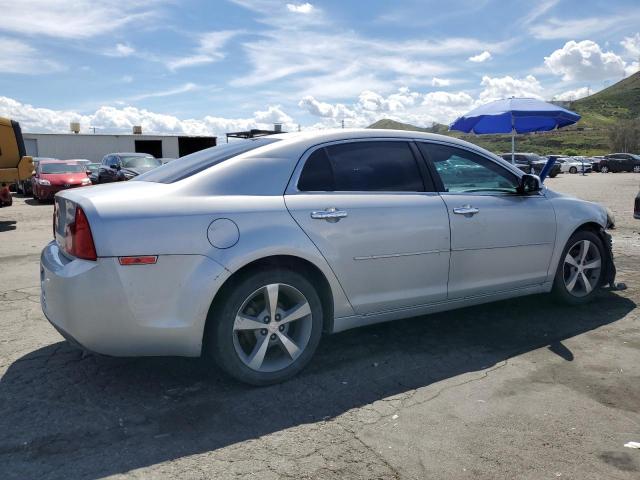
{"x":619,"y":162}
{"x":247,"y":252}
{"x":117,"y":167}
{"x":52,"y":176}
{"x":636,"y":207}
{"x":24,"y":187}
{"x":92,"y":172}
{"x":574,"y":164}
{"x":531,"y":163}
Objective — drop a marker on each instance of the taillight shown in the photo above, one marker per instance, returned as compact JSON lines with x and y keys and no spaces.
{"x":78,"y":240}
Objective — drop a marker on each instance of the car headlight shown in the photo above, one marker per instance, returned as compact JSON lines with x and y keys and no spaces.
{"x":43,"y":181}
{"x":86,"y":181}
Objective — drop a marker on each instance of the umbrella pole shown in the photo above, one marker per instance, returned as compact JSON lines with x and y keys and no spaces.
{"x":513,"y":146}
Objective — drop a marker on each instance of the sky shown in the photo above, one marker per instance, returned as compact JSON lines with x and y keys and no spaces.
{"x":208,"y":67}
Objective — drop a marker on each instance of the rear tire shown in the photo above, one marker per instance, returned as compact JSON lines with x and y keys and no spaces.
{"x":604,"y":169}
{"x":248,"y":333}
{"x":636,"y":169}
{"x":580,"y":273}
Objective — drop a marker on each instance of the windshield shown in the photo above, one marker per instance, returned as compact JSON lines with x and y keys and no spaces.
{"x":199,"y":161}
{"x":61,"y":168}
{"x":93,"y":167}
{"x":137,"y":162}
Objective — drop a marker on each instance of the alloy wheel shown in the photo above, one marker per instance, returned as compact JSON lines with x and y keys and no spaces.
{"x":636,"y":169}
{"x":604,"y":169}
{"x":582,"y":267}
{"x":272,"y":327}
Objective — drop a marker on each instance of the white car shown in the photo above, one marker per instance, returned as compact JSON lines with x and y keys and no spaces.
{"x":574,"y":164}
{"x":248,"y":252}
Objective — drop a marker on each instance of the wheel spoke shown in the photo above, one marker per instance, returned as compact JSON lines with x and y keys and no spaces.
{"x":592,"y":265}
{"x":584,"y":250}
{"x":296,"y":313}
{"x":259,"y":351}
{"x":292,"y":349}
{"x":572,"y":281}
{"x":244,"y":322}
{"x":570,"y":260}
{"x":271,"y":298}
{"x":586,"y":283}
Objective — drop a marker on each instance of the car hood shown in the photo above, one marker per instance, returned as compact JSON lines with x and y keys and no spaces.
{"x":64,"y":178}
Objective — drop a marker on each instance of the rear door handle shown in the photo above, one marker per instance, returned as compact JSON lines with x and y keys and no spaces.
{"x":330,"y":214}
{"x":466,"y":210}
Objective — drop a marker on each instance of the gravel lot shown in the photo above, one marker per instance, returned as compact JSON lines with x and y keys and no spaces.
{"x":518,"y":389}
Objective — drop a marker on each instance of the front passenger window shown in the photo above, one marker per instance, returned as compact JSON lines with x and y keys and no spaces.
{"x":462,"y":171}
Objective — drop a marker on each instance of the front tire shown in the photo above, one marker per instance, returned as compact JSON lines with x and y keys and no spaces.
{"x":636,"y":169}
{"x":573,"y":170}
{"x":581,"y":269}
{"x":265,"y":327}
{"x":604,"y":170}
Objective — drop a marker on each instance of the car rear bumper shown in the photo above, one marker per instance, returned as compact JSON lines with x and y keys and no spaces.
{"x":135,"y":310}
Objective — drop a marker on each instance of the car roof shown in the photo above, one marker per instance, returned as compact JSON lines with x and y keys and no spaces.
{"x":131,"y":154}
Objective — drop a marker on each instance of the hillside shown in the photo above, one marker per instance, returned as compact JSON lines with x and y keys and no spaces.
{"x":588,"y":137}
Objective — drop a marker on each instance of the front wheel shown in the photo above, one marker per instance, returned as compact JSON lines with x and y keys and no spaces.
{"x":266,"y":327}
{"x":573,"y":170}
{"x":604,"y":170}
{"x":581,"y":268}
{"x":636,"y":169}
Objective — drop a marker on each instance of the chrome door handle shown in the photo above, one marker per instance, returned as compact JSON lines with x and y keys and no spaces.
{"x":466,"y":210}
{"x":330,"y":214}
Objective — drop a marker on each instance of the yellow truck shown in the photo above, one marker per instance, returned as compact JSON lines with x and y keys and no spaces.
{"x":15,"y":166}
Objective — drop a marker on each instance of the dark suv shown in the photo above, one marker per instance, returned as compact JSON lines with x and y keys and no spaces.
{"x":531,"y":163}
{"x":618,"y":162}
{"x":117,"y":167}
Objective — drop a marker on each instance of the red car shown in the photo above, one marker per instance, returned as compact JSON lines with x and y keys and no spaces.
{"x":54,"y":175}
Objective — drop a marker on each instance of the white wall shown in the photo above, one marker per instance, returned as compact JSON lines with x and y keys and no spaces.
{"x":93,"y":147}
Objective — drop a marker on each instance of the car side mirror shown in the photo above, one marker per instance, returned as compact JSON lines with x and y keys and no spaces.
{"x":529,"y":184}
{"x":114,"y":166}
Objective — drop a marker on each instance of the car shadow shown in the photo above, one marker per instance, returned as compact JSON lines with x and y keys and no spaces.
{"x":34,"y":202}
{"x":65,"y":414}
{"x":7,"y":225}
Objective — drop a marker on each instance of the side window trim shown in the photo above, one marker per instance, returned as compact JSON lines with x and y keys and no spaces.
{"x":292,"y":187}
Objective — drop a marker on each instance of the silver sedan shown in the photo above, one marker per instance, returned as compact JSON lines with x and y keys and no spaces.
{"x":248,"y":252}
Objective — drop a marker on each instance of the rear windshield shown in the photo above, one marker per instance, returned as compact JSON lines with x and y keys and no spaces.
{"x":61,"y":168}
{"x":197,"y":162}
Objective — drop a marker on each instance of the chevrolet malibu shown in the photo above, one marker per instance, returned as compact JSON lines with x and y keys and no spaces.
{"x":248,"y":252}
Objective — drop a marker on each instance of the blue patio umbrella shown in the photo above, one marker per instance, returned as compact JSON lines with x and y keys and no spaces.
{"x":515,"y":115}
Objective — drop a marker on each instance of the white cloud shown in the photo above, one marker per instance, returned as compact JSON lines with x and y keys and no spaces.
{"x":300,"y":8}
{"x":209,"y":50}
{"x":481,"y":57}
{"x":108,"y":119}
{"x":440,"y":82}
{"x":121,"y":50}
{"x":571,"y":95}
{"x":632,"y":45}
{"x":187,"y":87}
{"x":555,"y":28}
{"x":496,"y":88}
{"x":584,"y":61}
{"x":20,"y":57}
{"x":74,"y":18}
{"x":325,"y":110}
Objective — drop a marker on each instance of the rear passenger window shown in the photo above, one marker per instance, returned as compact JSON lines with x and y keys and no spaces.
{"x":362,"y":167}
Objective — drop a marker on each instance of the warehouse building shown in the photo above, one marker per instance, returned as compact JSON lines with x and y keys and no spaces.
{"x":94,"y":146}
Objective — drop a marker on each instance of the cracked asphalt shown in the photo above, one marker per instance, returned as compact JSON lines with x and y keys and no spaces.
{"x":517,"y":389}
